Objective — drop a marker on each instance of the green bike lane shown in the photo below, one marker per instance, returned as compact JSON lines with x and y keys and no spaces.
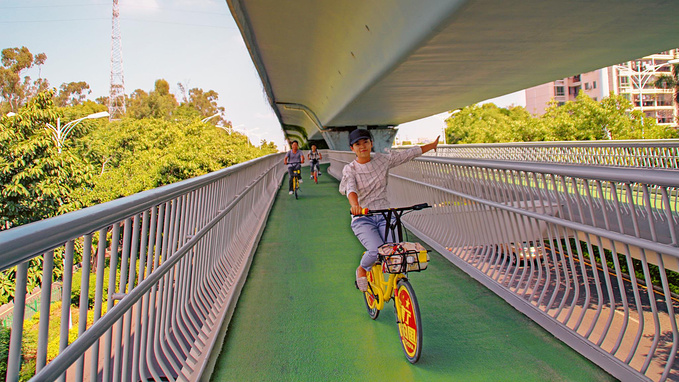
{"x":300,"y":318}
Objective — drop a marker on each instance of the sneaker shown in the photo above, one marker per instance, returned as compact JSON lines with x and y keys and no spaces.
{"x":311,"y":176}
{"x":361,"y":282}
{"x":320,"y":173}
{"x":290,"y":192}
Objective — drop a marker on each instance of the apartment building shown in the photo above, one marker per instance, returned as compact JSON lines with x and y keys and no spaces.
{"x":633,"y":80}
{"x":595,"y":84}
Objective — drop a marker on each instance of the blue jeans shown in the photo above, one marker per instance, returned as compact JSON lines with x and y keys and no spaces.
{"x":316,"y":165}
{"x":292,"y":167}
{"x":370,"y":232}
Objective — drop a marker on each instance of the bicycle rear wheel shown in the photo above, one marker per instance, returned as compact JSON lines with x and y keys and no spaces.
{"x":409,"y":321}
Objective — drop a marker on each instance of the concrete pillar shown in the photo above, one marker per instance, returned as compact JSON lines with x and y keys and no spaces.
{"x":338,"y":139}
{"x":383,"y":139}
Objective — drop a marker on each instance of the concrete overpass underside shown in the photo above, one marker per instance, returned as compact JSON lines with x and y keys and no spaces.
{"x":328,"y":66}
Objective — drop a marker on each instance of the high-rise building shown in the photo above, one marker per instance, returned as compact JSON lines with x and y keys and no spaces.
{"x":633,"y":80}
{"x":594,"y":84}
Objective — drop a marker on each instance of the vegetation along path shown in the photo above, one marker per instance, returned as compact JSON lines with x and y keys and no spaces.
{"x":300,"y":318}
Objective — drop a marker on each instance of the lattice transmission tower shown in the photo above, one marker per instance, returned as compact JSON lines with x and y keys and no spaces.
{"x":116,"y":100}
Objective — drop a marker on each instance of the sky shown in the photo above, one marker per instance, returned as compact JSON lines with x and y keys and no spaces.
{"x":193,"y":42}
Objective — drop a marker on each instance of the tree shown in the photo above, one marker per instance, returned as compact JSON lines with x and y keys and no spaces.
{"x":14,"y":92}
{"x":135,"y":155}
{"x":671,"y":82}
{"x":488,"y":124}
{"x":159,"y":103}
{"x":72,"y":93}
{"x":582,"y":119}
{"x":198,"y":103}
{"x":103,"y":100}
{"x":38,"y":182}
{"x":611,"y":118}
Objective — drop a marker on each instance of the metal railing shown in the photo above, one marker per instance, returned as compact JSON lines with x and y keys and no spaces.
{"x":176,"y":258}
{"x":589,"y":253}
{"x":659,"y":154}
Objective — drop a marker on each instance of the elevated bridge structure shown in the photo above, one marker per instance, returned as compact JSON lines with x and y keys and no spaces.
{"x":169,"y":264}
{"x":597,"y":301}
{"x":329,"y":66}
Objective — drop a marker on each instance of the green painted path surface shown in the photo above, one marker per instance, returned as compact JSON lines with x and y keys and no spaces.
{"x":300,"y":318}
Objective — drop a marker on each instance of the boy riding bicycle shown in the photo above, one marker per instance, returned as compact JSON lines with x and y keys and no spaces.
{"x":364,"y":182}
{"x":314,"y":159}
{"x":294,"y":159}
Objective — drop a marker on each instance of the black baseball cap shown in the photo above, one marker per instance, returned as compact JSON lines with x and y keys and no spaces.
{"x":357,"y":135}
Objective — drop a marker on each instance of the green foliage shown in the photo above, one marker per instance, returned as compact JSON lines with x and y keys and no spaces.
{"x":490,"y":124}
{"x":136,"y":155}
{"x":7,"y":278}
{"x":37,"y":180}
{"x":75,"y":289}
{"x":14,"y":92}
{"x":72,"y":93}
{"x":159,"y":103}
{"x":582,"y":119}
{"x":5,"y":334}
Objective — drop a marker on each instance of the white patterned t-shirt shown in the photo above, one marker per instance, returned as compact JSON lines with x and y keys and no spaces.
{"x":369,"y":180}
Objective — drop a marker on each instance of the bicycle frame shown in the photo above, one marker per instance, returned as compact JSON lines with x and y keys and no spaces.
{"x":383,"y":289}
{"x":397,"y":286}
{"x":393,"y":219}
{"x":296,"y":176}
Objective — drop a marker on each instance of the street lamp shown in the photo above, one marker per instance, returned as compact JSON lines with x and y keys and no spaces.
{"x":60,"y":133}
{"x":641,"y":77}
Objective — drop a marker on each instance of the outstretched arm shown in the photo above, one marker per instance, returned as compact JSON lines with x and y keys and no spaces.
{"x":430,"y":146}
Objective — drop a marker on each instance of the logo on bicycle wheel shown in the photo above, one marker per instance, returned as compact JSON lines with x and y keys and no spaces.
{"x":408,"y":325}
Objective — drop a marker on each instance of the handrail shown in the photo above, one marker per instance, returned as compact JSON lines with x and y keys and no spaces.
{"x":25,"y":242}
{"x":54,"y":369}
{"x":585,"y":251}
{"x":648,"y":153}
{"x":168,"y":301}
{"x":667,"y":178}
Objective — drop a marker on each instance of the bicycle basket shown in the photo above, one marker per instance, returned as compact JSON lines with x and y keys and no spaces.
{"x":403,"y":257}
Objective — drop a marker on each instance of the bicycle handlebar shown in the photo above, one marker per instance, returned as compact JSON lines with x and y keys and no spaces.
{"x":416,"y":207}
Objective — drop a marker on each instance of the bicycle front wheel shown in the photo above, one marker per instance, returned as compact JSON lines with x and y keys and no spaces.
{"x":295,"y":186}
{"x":409,"y":321}
{"x":371,"y":301}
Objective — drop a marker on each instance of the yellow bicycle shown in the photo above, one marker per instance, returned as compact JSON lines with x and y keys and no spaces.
{"x":296,"y":176}
{"x":388,"y":279}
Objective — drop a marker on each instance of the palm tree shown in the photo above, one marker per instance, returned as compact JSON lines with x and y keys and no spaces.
{"x":671,"y":81}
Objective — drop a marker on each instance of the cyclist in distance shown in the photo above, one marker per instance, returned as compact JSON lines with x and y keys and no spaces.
{"x":364,"y":182}
{"x":314,"y":160}
{"x":294,"y":159}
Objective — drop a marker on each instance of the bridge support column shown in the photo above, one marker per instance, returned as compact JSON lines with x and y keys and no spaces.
{"x":338,"y":138}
